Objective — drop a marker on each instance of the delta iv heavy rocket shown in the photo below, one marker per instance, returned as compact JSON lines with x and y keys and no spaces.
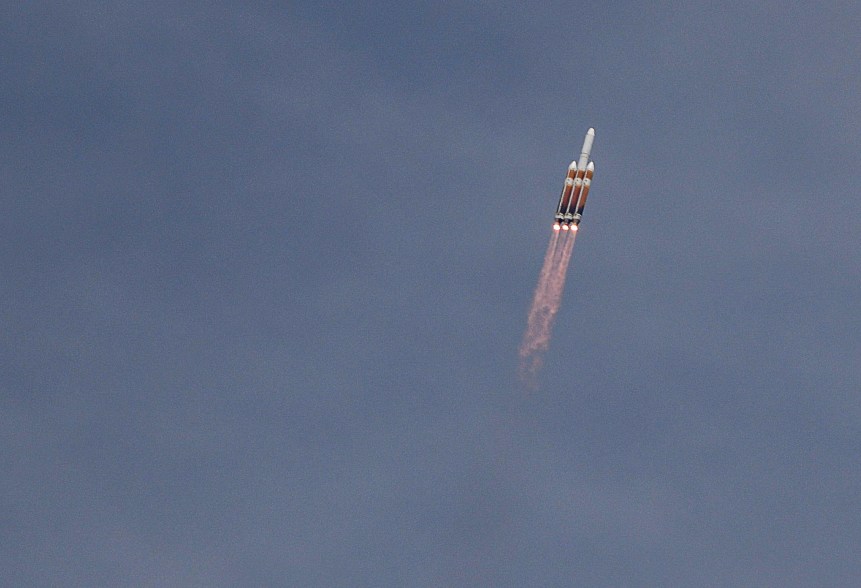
{"x":576,"y":188}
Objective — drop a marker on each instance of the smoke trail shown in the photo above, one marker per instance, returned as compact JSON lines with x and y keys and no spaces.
{"x":547,"y":268}
{"x":545,"y":305}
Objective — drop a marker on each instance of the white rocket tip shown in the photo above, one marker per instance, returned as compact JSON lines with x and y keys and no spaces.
{"x":591,"y":166}
{"x":591,"y":131}
{"x":573,"y":165}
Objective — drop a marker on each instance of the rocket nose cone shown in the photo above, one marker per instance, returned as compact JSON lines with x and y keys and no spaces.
{"x":591,"y":131}
{"x":591,"y":166}
{"x":573,"y":165}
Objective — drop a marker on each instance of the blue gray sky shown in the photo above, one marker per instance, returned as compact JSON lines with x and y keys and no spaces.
{"x":266,"y":267}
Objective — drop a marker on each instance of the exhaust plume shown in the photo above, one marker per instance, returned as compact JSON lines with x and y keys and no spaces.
{"x":545,"y":305}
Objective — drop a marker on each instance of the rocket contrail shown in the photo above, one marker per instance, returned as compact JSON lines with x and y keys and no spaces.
{"x":551,"y":280}
{"x":545,"y":305}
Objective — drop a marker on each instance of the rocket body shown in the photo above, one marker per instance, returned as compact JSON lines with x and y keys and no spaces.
{"x":576,"y":188}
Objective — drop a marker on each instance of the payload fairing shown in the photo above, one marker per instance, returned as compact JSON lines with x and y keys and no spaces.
{"x":576,"y":188}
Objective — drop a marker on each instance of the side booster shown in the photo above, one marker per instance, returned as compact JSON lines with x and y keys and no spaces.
{"x":576,"y":188}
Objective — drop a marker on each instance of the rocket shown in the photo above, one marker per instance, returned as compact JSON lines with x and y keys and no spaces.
{"x":576,"y":188}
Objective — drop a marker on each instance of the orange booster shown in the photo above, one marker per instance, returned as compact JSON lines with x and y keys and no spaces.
{"x":587,"y":182}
